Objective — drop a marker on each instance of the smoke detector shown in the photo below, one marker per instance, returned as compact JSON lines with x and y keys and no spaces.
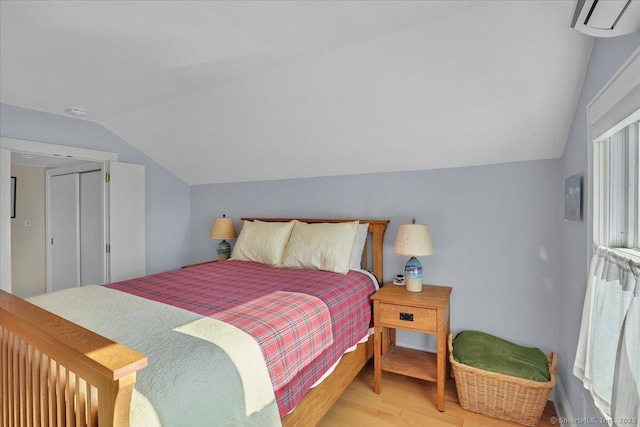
{"x":76,"y":111}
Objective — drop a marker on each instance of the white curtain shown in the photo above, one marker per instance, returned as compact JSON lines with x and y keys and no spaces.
{"x":608,"y":346}
{"x":626,"y":382}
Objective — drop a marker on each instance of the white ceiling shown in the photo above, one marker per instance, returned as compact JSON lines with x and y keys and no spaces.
{"x":243,"y":91}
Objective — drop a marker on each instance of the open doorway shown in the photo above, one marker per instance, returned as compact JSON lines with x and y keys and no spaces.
{"x":124,"y":245}
{"x":76,"y":256}
{"x":38,"y":155}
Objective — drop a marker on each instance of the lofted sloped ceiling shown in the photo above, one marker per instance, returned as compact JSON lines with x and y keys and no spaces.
{"x":244,"y":91}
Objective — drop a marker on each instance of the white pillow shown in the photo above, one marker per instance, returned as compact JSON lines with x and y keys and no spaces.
{"x":262,"y":242}
{"x":322,"y":246}
{"x":358,"y":246}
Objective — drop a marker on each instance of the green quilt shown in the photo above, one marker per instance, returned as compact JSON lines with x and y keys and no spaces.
{"x":490,"y":353}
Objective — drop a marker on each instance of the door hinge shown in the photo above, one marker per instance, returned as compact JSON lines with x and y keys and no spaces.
{"x":107,"y":177}
{"x":108,"y":248}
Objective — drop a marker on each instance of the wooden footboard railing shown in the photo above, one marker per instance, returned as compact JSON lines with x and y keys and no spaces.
{"x":56,"y":373}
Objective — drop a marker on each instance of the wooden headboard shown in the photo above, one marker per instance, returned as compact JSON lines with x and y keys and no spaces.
{"x":377,"y":228}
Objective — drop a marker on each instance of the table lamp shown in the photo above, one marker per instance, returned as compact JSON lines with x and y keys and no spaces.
{"x":223,"y":228}
{"x":413,"y":240}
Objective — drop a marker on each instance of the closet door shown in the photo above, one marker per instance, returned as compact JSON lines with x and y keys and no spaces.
{"x":91,"y":228}
{"x":65,"y":234}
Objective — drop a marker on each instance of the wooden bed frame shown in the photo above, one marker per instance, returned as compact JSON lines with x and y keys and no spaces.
{"x":54,"y":372}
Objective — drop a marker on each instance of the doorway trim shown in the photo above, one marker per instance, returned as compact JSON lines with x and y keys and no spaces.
{"x":53,"y":150}
{"x":9,"y":145}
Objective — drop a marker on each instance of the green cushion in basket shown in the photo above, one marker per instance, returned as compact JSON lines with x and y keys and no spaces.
{"x":484,"y":351}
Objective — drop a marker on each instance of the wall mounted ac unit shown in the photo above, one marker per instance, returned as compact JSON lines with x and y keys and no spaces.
{"x":606,"y":18}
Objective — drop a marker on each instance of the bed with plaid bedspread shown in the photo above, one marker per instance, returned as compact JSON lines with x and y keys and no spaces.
{"x":303,"y":320}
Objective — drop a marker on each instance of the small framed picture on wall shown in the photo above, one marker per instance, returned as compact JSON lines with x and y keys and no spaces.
{"x":573,"y":198}
{"x":13,"y":196}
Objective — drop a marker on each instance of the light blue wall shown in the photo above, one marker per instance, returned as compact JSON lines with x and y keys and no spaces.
{"x":607,"y":57}
{"x":168,"y":197}
{"x":495,"y":230}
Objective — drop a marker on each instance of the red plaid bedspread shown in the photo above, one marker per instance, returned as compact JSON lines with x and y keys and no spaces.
{"x":293,"y":329}
{"x":247,"y":295}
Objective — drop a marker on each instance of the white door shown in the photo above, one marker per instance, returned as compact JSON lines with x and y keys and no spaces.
{"x":127,"y":255}
{"x":65,"y":234}
{"x":91,"y":228}
{"x":5,"y":219}
{"x":75,"y":201}
{"x":76,"y":221}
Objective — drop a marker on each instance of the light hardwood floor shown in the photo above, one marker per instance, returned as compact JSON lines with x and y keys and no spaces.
{"x":407,"y":402}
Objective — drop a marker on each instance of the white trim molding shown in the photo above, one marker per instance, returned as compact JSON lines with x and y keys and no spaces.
{"x":617,"y":100}
{"x":31,"y":147}
{"x":562,"y":405}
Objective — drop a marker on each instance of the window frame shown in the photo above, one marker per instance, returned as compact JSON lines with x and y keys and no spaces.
{"x":615,"y":197}
{"x":618,"y":99}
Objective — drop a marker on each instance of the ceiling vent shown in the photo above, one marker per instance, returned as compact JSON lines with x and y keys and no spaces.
{"x":606,"y":18}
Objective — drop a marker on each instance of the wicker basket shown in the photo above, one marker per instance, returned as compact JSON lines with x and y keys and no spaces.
{"x":502,"y":396}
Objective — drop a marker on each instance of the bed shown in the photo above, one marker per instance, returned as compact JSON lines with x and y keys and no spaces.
{"x":55,"y":371}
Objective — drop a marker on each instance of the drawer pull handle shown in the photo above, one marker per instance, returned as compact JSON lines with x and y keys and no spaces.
{"x":406,"y":316}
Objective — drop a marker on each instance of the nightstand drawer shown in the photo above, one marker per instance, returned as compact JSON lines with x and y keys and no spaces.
{"x":406,"y":317}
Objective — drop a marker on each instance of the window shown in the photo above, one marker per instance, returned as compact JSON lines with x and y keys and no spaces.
{"x":606,"y":344}
{"x":616,"y":198}
{"x":607,"y":351}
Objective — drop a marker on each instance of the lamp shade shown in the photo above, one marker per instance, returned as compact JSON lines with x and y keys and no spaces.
{"x":413,"y":240}
{"x":223,"y":228}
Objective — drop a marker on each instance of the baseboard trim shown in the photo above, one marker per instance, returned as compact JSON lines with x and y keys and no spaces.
{"x":562,"y":405}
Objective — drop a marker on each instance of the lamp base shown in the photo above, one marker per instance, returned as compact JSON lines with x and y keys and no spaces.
{"x":413,"y":285}
{"x":224,"y":250}
{"x":413,"y":275}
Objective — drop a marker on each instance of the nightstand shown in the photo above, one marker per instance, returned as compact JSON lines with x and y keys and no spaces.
{"x":426,"y":312}
{"x":199,"y":263}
